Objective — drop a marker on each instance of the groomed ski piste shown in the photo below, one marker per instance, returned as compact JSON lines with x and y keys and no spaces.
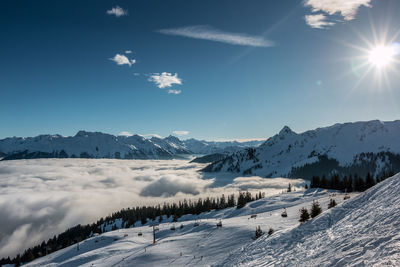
{"x":202,"y":245}
{"x":364,"y":231}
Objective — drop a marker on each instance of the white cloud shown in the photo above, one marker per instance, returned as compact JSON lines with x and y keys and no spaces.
{"x":168,"y":187}
{"x":174,"y":92}
{"x":165,"y":79}
{"x":346,"y":8}
{"x":211,"y":34}
{"x":318,"y":21}
{"x":181,"y":132}
{"x":125,"y":133}
{"x":117,"y":11}
{"x":152,"y":135}
{"x":43,"y":197}
{"x":258,"y":183}
{"x":128,"y":52}
{"x":123,"y":60}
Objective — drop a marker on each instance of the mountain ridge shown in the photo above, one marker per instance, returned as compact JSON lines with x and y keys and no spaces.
{"x":86,"y":144}
{"x":340,"y":148}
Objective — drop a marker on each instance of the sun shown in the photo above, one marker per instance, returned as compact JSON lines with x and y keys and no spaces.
{"x":382,"y":55}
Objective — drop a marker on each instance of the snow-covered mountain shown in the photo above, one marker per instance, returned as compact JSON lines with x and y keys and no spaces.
{"x":82,"y":145}
{"x":100,"y":145}
{"x":363,"y":231}
{"x":330,"y":239}
{"x":211,"y":147}
{"x":358,"y":147}
{"x":187,"y":245}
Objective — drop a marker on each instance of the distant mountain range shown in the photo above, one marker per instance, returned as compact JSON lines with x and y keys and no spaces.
{"x":100,"y":145}
{"x":360,"y":147}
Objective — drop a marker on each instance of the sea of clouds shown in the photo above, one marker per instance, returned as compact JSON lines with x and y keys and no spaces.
{"x":43,"y":197}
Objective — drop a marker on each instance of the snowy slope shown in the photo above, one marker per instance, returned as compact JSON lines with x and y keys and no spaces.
{"x":85,"y":144}
{"x":172,"y":144}
{"x":204,"y":245}
{"x":341,"y":148}
{"x":364,"y":231}
{"x":211,"y":147}
{"x":99,"y":145}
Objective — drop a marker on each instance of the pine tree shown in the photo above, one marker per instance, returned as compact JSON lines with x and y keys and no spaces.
{"x":304,"y":215}
{"x":332,"y":203}
{"x":289,"y":188}
{"x":270,"y":231}
{"x":369,"y":181}
{"x":315,"y":209}
{"x":231,"y":200}
{"x":259,"y":232}
{"x":241,"y":200}
{"x":143,"y":219}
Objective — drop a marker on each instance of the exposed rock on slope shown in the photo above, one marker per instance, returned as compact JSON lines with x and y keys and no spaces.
{"x":358,"y":147}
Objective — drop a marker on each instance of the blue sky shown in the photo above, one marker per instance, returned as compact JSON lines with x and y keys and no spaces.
{"x":225,"y":69}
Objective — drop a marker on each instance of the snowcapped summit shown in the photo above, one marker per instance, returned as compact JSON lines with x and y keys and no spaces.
{"x":286,"y":130}
{"x":101,"y":145}
{"x":341,"y":148}
{"x":172,"y":138}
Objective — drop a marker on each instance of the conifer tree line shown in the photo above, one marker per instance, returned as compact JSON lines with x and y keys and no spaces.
{"x":351,"y":183}
{"x":129,"y":217}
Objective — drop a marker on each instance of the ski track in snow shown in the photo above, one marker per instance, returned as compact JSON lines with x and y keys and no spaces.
{"x":364,"y":231}
{"x":204,"y":245}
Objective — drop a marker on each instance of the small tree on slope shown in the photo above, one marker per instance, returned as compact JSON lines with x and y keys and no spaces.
{"x":332,"y":203}
{"x":289,"y":188}
{"x":304,"y":215}
{"x":315,"y":209}
{"x":259,"y":232}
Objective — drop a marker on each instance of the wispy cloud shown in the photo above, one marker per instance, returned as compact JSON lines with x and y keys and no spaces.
{"x":212,"y":34}
{"x":174,"y":92}
{"x":125,"y":133}
{"x":117,"y":11}
{"x":345,"y":8}
{"x":165,"y":79}
{"x":318,"y":21}
{"x":123,"y":60}
{"x":181,"y":132}
{"x":128,"y":52}
{"x":152,"y":135}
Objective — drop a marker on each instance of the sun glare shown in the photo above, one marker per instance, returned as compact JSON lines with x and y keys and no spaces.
{"x":382,"y":55}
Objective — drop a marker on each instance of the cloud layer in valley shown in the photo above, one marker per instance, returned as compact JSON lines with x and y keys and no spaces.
{"x":43,"y":197}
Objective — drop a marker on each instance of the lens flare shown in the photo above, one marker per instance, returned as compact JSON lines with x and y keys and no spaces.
{"x":382,"y":55}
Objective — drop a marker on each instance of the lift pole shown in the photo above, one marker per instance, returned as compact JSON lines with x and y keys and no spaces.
{"x":154,"y":232}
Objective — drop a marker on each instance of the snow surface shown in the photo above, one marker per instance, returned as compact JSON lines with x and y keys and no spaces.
{"x":43,"y":197}
{"x":101,"y":145}
{"x":364,"y":231}
{"x":343,"y":142}
{"x":204,"y":245}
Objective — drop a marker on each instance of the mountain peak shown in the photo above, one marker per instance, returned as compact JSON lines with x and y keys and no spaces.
{"x":285,"y":130}
{"x":81,"y":134}
{"x":173,"y":139}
